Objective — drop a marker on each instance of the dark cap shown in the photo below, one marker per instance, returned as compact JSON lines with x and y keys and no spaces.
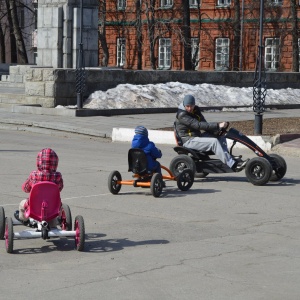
{"x":188,"y":100}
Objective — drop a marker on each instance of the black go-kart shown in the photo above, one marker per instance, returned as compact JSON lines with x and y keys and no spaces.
{"x":259,"y":170}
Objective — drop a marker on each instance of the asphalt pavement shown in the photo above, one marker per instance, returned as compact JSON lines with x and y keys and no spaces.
{"x":223,"y":239}
{"x":47,"y":121}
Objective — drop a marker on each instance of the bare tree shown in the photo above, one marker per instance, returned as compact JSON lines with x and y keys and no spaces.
{"x":186,"y":29}
{"x":2,"y":36}
{"x":22,"y":55}
{"x":13,"y":46}
{"x":102,"y":32}
{"x":150,"y":16}
{"x":138,"y":26}
{"x":2,"y":45}
{"x":295,"y":36}
{"x":236,"y":34}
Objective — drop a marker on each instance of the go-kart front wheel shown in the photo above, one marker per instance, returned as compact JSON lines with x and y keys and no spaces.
{"x":2,"y":223}
{"x":156,"y":185}
{"x":181,"y":162}
{"x":9,"y":235}
{"x":185,"y":180}
{"x":113,"y":178}
{"x":279,"y":172}
{"x":79,"y":233}
{"x":66,"y":218}
{"x":258,"y":171}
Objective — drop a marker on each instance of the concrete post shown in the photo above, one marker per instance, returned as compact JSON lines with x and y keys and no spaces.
{"x":58,"y":33}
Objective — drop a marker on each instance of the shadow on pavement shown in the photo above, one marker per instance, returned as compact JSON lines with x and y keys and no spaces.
{"x":94,"y":244}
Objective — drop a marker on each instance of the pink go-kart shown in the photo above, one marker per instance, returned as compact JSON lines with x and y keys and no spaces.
{"x":44,"y":205}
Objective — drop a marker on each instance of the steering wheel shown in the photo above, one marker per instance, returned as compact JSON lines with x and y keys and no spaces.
{"x":223,"y":130}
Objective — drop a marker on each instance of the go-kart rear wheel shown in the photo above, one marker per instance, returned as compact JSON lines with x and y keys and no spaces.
{"x":181,"y":162}
{"x":185,"y":180}
{"x":66,"y":218}
{"x":9,"y":235}
{"x":80,"y":233}
{"x":2,"y":223}
{"x":279,"y":172}
{"x":258,"y":170}
{"x":113,"y":186}
{"x":156,"y":185}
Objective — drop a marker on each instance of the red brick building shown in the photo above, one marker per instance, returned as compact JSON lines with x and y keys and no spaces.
{"x":212,"y":35}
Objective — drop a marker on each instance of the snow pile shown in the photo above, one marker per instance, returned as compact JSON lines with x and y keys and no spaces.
{"x":171,"y":95}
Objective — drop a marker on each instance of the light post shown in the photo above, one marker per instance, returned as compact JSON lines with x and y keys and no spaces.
{"x":259,"y":87}
{"x":80,"y":71}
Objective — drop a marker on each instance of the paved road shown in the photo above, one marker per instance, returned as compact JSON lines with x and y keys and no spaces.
{"x":102,"y":126}
{"x":224,"y":239}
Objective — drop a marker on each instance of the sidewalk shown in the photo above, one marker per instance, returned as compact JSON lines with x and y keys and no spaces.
{"x":103,"y":126}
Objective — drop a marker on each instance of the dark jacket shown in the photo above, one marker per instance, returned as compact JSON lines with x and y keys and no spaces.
{"x":189,"y":125}
{"x":142,"y":142}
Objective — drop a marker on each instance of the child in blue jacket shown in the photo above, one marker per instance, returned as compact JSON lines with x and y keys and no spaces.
{"x":141,"y":141}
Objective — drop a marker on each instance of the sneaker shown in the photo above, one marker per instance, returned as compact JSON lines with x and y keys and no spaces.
{"x":237,"y":158}
{"x":239,"y":165}
{"x":16,"y":215}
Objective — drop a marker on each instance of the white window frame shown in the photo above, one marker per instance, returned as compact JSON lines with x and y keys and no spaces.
{"x":222,"y":53}
{"x":224,"y":3}
{"x":195,"y":45}
{"x":272,"y":54}
{"x":164,"y":53}
{"x":121,"y":4}
{"x":275,"y":2}
{"x":193,"y":3}
{"x":166,"y":3}
{"x":121,"y":51}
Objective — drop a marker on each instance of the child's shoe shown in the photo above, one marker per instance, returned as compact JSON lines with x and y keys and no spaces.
{"x":16,"y":215}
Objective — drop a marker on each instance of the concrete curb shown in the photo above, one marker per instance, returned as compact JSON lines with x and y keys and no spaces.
{"x":39,"y":126}
{"x":167,"y":137}
{"x":85,"y":112}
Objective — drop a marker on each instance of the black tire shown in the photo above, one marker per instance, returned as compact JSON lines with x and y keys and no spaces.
{"x":201,"y":175}
{"x":113,"y":186}
{"x":280,"y":172}
{"x":66,"y":218}
{"x":156,"y":185}
{"x":181,"y":162}
{"x":258,"y":171}
{"x":185,"y":180}
{"x":2,"y":223}
{"x":80,"y":233}
{"x":9,"y":235}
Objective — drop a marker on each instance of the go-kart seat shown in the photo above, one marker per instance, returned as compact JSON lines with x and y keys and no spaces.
{"x":180,"y":149}
{"x":137,"y":161}
{"x":44,"y":202}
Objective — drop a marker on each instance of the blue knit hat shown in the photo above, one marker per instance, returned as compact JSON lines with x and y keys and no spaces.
{"x":188,"y":100}
{"x":141,"y":130}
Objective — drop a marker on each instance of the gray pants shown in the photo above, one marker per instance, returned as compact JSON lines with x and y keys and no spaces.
{"x":208,"y":142}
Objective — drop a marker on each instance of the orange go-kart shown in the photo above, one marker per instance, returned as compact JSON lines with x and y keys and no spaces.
{"x":137,"y":163}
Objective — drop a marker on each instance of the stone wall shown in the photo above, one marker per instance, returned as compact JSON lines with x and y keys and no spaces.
{"x":50,"y":87}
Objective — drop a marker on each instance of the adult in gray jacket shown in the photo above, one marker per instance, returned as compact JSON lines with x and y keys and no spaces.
{"x":196,"y":133}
